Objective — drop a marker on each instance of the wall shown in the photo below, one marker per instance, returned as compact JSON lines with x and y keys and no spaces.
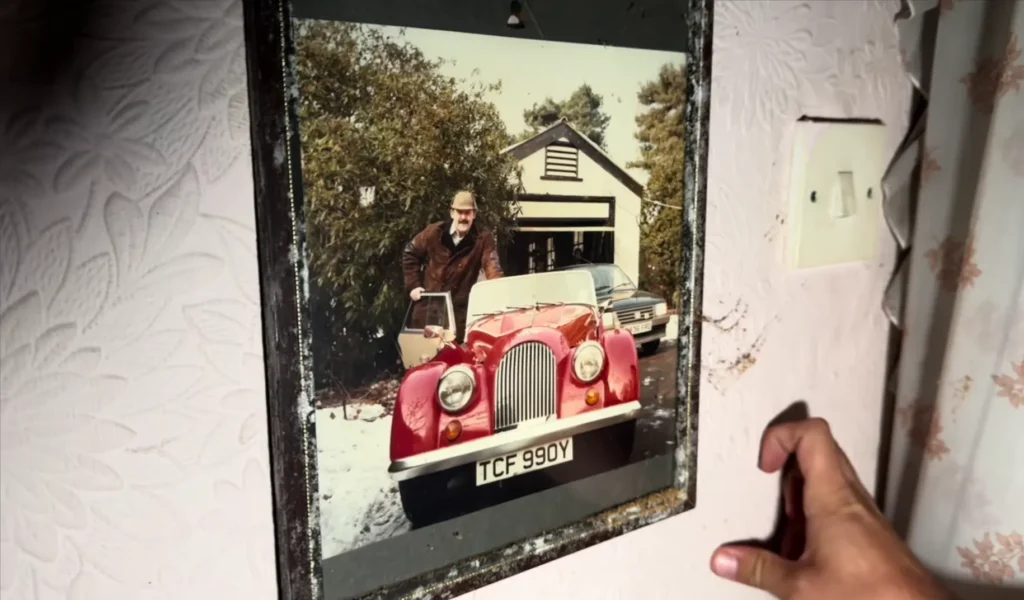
{"x":134,"y":459}
{"x":133,"y":434}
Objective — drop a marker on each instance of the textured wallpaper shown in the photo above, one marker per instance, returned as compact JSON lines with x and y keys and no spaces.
{"x":133,"y":446}
{"x":134,"y":462}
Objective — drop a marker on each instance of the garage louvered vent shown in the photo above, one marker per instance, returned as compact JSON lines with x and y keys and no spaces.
{"x":525,"y":386}
{"x":562,"y":161}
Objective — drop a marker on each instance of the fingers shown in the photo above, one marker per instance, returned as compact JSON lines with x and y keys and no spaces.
{"x":757,"y":568}
{"x":812,"y":442}
{"x":795,"y":524}
{"x":821,"y":462}
{"x":792,"y":493}
{"x":855,"y":482}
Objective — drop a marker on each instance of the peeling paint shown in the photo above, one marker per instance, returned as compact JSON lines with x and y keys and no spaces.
{"x":279,"y":155}
{"x":731,"y":319}
{"x":293,"y":87}
{"x":727,"y":371}
{"x":747,"y":359}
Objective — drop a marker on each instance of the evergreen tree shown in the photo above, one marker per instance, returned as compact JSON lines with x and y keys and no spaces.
{"x":582,"y":109}
{"x":660,"y":132}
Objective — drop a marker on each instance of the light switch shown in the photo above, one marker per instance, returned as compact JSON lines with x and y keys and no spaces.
{"x":843,"y":196}
{"x":835,"y":199}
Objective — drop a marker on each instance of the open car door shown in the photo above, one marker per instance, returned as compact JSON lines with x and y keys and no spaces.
{"x":434,"y":310}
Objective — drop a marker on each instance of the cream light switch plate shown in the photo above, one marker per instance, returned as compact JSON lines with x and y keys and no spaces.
{"x":835,"y":195}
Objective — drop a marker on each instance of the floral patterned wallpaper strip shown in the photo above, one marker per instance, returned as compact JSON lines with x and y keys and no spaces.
{"x":958,"y":456}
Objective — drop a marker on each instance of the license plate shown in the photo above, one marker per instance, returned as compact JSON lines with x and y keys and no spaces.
{"x":638,"y":327}
{"x":524,"y":461}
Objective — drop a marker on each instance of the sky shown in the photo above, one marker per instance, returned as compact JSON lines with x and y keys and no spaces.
{"x":531,"y":70}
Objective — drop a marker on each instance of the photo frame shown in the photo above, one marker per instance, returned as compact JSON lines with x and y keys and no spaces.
{"x":304,"y":572}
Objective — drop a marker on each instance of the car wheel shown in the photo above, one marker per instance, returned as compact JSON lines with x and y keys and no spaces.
{"x":421,"y":502}
{"x":621,"y":438}
{"x":413,"y":498}
{"x":627,"y":439}
{"x":649,"y":348}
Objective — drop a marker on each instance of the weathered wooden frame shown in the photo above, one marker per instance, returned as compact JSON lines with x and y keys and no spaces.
{"x":284,"y":293}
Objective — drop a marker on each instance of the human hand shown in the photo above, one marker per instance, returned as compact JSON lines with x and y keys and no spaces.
{"x":416,"y":294}
{"x":836,"y":544}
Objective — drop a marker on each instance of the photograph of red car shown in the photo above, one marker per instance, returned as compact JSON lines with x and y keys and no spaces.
{"x":546,"y":385}
{"x":494,"y":228}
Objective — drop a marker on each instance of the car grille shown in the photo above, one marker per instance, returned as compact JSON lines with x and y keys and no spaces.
{"x":635,"y":314}
{"x":525,"y":386}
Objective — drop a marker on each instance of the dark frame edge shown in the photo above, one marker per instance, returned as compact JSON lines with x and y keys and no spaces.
{"x":281,"y":256}
{"x":700,"y":29}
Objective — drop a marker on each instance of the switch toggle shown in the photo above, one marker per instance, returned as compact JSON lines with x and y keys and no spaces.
{"x":843,"y":201}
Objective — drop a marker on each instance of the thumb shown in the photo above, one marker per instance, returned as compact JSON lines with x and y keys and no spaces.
{"x":757,"y":568}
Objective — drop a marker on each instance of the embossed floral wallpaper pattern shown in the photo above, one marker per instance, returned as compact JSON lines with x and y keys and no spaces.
{"x":133,"y":441}
{"x":958,"y":449}
{"x":134,"y":452}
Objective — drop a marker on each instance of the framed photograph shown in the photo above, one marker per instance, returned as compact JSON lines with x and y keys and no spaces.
{"x":481,"y":244}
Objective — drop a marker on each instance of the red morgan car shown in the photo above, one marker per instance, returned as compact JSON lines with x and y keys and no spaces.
{"x":545,"y":390}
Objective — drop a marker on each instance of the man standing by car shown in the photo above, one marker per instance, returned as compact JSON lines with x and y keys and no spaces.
{"x":448,"y":256}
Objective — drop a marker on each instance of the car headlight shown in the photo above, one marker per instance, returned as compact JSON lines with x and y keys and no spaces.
{"x":455,"y":388}
{"x":588,"y":361}
{"x":660,"y":309}
{"x":610,"y":320}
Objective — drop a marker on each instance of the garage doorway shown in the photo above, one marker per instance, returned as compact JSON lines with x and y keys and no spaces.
{"x":536,"y":250}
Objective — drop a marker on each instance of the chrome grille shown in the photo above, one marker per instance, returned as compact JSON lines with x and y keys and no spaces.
{"x":525,"y":385}
{"x":635,"y":314}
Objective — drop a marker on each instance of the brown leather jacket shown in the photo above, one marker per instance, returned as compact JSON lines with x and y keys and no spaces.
{"x":432,"y":261}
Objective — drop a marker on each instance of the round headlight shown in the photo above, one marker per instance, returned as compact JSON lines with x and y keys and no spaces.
{"x":455,"y":388}
{"x":588,"y":362}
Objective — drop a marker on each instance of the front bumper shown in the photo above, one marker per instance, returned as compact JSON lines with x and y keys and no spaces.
{"x":510,"y":441}
{"x":659,"y":326}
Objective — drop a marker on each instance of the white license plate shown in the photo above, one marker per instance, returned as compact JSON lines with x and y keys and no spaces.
{"x":524,"y":461}
{"x":634,"y":328}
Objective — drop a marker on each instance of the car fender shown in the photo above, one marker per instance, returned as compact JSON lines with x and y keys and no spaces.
{"x":623,"y":367}
{"x":414,"y":427}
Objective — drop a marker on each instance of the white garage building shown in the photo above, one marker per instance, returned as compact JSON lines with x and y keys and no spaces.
{"x":575,"y":204}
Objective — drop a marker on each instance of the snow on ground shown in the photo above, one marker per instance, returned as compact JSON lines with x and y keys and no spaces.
{"x":359,"y":503}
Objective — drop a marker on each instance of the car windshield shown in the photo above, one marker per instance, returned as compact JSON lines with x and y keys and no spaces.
{"x":607,"y":278}
{"x":505,"y":294}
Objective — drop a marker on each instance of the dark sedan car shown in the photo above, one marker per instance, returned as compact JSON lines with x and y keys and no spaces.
{"x":641,"y":313}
